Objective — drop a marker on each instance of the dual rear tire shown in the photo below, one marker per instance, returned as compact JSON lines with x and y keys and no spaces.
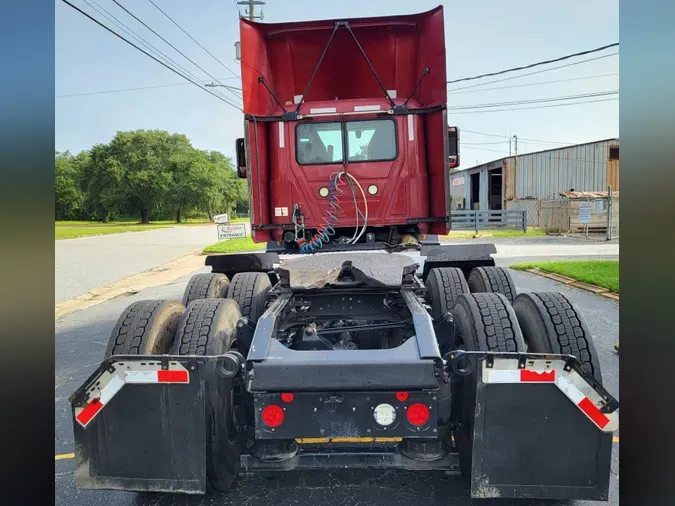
{"x":489,"y":315}
{"x":205,"y":323}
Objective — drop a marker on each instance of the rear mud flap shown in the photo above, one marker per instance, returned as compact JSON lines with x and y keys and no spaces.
{"x":146,"y":437}
{"x":532,"y":441}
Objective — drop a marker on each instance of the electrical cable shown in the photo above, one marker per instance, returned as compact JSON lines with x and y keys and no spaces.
{"x":525,"y":67}
{"x":174,"y":47}
{"x":120,"y":24}
{"x":149,"y":55}
{"x":193,"y":39}
{"x":535,"y":101}
{"x":331,"y":219}
{"x":533,"y":73}
{"x":104,"y":92}
{"x":538,"y":83}
{"x":538,"y":107}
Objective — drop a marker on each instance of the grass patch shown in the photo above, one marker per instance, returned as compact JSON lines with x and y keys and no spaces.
{"x":233,"y":245}
{"x":604,"y":273}
{"x":471,"y":234}
{"x":72,"y":232}
{"x":126,"y":222}
{"x":240,"y":220}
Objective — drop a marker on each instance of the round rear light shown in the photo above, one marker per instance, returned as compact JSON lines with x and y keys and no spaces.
{"x":287,"y":397}
{"x":384,"y":414}
{"x":402,"y":396}
{"x":418,"y":414}
{"x":272,"y":415}
{"x":373,"y":189}
{"x":323,"y":192}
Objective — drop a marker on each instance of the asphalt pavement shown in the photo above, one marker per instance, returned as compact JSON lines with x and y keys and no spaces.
{"x":86,"y":263}
{"x":81,"y":338}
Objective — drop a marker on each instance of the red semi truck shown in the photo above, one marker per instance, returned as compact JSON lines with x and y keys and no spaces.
{"x":368,"y":344}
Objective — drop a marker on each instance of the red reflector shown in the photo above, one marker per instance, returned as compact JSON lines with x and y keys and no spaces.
{"x":272,"y":415}
{"x":90,"y":411}
{"x":418,"y":414}
{"x":528,"y":375}
{"x":593,"y":412}
{"x":402,"y":396}
{"x":287,"y":397}
{"x":172,"y":376}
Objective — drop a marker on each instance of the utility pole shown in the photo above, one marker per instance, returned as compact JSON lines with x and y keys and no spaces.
{"x":251,"y":8}
{"x":515,"y":165}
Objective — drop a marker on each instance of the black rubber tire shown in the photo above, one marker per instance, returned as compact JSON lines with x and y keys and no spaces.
{"x":551,"y":323}
{"x":209,"y":327}
{"x":487,"y":322}
{"x":492,"y":280}
{"x":146,"y":327}
{"x":210,"y":285}
{"x":444,"y":285}
{"x":250,"y":289}
{"x":483,"y":322}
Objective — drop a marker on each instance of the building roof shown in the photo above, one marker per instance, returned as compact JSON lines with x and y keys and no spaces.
{"x":538,"y":152}
{"x":587,"y":195}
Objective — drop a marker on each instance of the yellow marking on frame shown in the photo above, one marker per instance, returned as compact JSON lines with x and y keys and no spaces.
{"x":63,"y":456}
{"x":326,"y":440}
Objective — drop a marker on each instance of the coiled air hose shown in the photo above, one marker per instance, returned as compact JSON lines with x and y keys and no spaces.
{"x":331,"y":219}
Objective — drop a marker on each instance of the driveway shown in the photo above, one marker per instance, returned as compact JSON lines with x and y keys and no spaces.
{"x":92,"y":262}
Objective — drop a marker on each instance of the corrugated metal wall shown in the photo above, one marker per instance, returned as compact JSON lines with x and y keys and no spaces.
{"x":546,"y":174}
{"x":458,"y":187}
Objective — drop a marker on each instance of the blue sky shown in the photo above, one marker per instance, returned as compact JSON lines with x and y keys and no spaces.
{"x":481,"y":36}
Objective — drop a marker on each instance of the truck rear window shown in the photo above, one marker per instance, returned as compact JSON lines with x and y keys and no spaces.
{"x":367,"y":141}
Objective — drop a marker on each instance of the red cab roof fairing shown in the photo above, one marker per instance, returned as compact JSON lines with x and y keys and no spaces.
{"x":286,"y":55}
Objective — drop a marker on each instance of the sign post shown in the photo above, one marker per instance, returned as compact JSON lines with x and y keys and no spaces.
{"x":585,"y":214}
{"x":226,"y":232}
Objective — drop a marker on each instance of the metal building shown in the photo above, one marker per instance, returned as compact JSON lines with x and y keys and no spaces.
{"x":515,"y":182}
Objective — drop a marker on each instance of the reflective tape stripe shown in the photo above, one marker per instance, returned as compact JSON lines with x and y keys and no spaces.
{"x":172,"y":377}
{"x":570,"y":390}
{"x":532,"y":376}
{"x":593,"y":413}
{"x":281,"y":134}
{"x":116,"y":380}
{"x":411,"y":128}
{"x":88,"y":413}
{"x":571,"y":383}
{"x":520,"y":376}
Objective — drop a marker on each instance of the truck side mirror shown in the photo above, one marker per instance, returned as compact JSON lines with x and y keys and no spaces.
{"x":453,"y":147}
{"x":241,"y":158}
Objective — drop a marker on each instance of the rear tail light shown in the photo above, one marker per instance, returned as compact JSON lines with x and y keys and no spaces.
{"x":287,"y":397}
{"x":272,"y":415}
{"x":418,"y":414}
{"x":402,"y":396}
{"x":384,"y":414}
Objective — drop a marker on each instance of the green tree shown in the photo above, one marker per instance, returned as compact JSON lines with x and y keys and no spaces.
{"x":101,"y":180}
{"x":68,"y":192}
{"x":144,"y":159}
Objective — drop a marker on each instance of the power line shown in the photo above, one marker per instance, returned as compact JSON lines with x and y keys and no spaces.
{"x":193,"y":39}
{"x":116,"y":21}
{"x":169,"y":43}
{"x":534,"y":101}
{"x":535,"y":72}
{"x":149,"y":55}
{"x":539,"y":107}
{"x":525,"y":67}
{"x":488,"y":149}
{"x":104,"y":92}
{"x":483,"y":133}
{"x":481,"y":143}
{"x":538,"y":83}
